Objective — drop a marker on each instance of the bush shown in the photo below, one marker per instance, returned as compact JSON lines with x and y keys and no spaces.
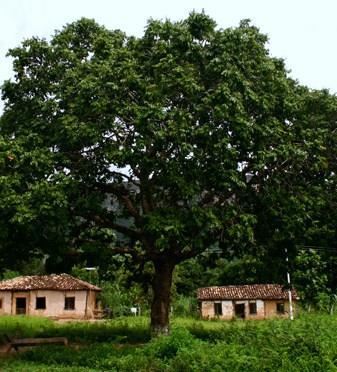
{"x":167,"y":347}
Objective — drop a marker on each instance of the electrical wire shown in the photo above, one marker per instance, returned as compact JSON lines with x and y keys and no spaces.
{"x":317,"y":248}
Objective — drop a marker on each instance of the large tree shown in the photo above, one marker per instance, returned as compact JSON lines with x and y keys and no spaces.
{"x":165,"y":139}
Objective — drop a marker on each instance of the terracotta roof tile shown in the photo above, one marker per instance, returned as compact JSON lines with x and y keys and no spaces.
{"x":246,"y":292}
{"x":54,"y":282}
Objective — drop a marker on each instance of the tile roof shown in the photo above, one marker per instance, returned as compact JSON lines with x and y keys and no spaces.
{"x":246,"y":292}
{"x":62,"y":282}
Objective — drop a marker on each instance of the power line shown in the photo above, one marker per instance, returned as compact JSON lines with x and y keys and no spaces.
{"x":317,"y":248}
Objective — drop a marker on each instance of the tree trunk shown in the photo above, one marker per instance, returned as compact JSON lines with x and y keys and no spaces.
{"x":161,"y":286}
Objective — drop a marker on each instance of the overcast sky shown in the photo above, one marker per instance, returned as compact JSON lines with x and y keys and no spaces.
{"x":303,"y":32}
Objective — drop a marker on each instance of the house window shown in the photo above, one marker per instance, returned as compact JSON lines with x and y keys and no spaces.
{"x":69,"y":303}
{"x":217,"y":308}
{"x":40,"y":303}
{"x":252,"y":308}
{"x":280,"y":308}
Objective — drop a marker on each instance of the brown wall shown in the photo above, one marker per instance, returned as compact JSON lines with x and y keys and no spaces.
{"x":207,"y":309}
{"x":270,"y":308}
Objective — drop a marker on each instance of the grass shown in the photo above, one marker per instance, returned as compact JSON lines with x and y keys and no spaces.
{"x":122,"y":330}
{"x":309,"y":343}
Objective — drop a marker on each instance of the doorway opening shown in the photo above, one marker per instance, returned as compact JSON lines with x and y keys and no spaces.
{"x":21,"y":305}
{"x":240,"y":311}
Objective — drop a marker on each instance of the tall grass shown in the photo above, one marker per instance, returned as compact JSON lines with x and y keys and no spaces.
{"x":309,"y":343}
{"x":21,"y":326}
{"x":124,"y":329}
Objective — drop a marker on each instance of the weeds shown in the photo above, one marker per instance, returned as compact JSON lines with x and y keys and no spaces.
{"x":309,"y":343}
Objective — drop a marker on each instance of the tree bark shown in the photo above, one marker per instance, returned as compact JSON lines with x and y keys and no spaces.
{"x":160,"y":309}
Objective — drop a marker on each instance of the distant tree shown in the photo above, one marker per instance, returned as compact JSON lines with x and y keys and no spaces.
{"x":310,"y":276}
{"x":184,"y":129}
{"x":9,"y":274}
{"x":90,"y":275}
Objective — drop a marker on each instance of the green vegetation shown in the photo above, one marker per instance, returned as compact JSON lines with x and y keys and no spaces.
{"x":309,"y":343}
{"x":183,"y":158}
{"x":121,"y":330}
{"x":188,"y":139}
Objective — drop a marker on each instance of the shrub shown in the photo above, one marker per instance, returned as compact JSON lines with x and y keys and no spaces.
{"x":166,"y":347}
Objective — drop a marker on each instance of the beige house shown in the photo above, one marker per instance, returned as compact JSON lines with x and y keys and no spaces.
{"x":256,"y":301}
{"x":56,"y":296}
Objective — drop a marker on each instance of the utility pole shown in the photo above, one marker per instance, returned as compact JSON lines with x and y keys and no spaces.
{"x":90,"y":269}
{"x":291,"y":312}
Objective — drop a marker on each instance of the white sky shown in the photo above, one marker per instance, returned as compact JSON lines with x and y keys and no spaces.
{"x":303,"y":32}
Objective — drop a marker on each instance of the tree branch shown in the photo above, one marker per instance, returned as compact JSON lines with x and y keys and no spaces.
{"x":129,"y":178}
{"x":115,"y":226}
{"x":130,"y":207}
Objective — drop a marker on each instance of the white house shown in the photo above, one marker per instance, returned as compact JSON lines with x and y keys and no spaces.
{"x":56,"y":296}
{"x":255,"y":301}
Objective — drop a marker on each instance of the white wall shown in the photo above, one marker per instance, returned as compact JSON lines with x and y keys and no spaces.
{"x":227,"y":309}
{"x":55,"y":303}
{"x":6,"y":303}
{"x":84,"y":303}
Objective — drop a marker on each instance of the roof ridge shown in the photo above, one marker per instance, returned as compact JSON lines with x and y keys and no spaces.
{"x":243,"y":285}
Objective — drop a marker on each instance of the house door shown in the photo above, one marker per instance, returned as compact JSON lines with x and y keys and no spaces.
{"x":21,"y":305}
{"x":240,"y":310}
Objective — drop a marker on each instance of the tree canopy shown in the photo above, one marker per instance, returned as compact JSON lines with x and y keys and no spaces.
{"x":187,"y":137}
